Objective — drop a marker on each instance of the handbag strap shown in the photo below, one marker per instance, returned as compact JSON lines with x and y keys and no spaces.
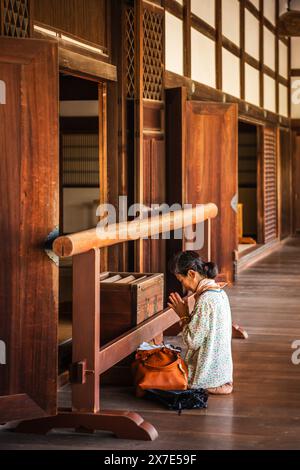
{"x":177,"y":359}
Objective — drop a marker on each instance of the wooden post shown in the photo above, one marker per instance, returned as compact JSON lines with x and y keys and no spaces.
{"x":208,"y":239}
{"x":86,"y":329}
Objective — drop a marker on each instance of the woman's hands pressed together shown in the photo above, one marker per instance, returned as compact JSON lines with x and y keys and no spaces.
{"x":179,"y":305}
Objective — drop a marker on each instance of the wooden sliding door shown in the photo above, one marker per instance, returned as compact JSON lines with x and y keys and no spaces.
{"x":202,"y":161}
{"x":212,"y":173}
{"x":29,"y":212}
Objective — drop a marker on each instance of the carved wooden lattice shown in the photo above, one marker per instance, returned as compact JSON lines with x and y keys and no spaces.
{"x":129,"y":52}
{"x":153,"y":56}
{"x":270,"y":184}
{"x":15,"y":17}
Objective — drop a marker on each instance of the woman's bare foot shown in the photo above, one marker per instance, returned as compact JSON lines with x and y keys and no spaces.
{"x":222,"y":390}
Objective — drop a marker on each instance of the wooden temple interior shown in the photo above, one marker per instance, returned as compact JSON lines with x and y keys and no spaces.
{"x":177,"y":102}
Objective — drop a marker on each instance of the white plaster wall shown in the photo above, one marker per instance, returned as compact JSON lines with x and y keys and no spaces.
{"x":269,"y":94}
{"x":204,"y":9}
{"x":269,"y":48}
{"x":174,"y":44}
{"x":231,"y":74}
{"x":231,"y":20}
{"x":270,"y":10}
{"x":251,"y":35}
{"x":283,"y":100}
{"x":203,"y":57}
{"x":251,"y":85}
{"x":283,"y":60}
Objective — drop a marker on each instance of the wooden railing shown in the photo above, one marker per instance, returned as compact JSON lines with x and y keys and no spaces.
{"x":99,"y":238}
{"x":89,"y":359}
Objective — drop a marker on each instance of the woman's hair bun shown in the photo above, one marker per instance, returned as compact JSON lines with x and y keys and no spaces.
{"x":183,"y":261}
{"x":211,"y":270}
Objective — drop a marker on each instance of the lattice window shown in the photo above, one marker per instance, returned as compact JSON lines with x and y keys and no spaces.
{"x":129,"y":52}
{"x":270,"y":184}
{"x":80,"y":159}
{"x":153,"y":55}
{"x":16,"y":18}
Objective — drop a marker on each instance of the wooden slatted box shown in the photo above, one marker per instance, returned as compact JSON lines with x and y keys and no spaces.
{"x":127,"y":299}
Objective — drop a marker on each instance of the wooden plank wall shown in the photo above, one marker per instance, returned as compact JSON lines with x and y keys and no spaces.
{"x":85,"y":20}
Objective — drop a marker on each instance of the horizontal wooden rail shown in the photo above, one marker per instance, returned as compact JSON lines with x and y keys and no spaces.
{"x":87,"y":240}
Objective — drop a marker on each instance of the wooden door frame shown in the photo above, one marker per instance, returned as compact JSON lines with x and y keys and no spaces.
{"x":103,"y":161}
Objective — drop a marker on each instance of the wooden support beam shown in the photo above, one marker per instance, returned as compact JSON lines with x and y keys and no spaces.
{"x":219,"y":73}
{"x":139,"y":120}
{"x":187,"y":38}
{"x":78,"y":63}
{"x":261,"y":53}
{"x":242,"y":45}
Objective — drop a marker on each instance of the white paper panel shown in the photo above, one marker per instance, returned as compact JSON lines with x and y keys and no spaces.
{"x":231,"y":20}
{"x":283,"y":100}
{"x":174,"y":44}
{"x":203,"y":59}
{"x":231,"y":74}
{"x":180,"y":1}
{"x":270,"y":10}
{"x":283,"y":60}
{"x":295,"y":53}
{"x":251,"y":35}
{"x":295,"y":95}
{"x":269,"y":48}
{"x":251,"y":85}
{"x":269,"y":94}
{"x":204,"y":9}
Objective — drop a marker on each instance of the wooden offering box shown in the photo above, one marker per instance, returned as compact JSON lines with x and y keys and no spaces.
{"x":127,"y":299}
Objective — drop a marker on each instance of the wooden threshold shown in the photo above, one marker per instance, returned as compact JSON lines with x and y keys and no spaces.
{"x":258,"y":252}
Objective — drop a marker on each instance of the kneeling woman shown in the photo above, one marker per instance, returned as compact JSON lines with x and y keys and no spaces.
{"x":207,"y":330}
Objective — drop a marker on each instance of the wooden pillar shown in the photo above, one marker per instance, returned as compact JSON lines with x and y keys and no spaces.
{"x":219,"y":44}
{"x":187,"y":38}
{"x":86,"y":330}
{"x":242,"y":46}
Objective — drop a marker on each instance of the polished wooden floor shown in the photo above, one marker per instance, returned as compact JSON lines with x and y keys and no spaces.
{"x":264,"y":410}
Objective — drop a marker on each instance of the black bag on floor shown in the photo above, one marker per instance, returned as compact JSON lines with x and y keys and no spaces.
{"x":180,"y":399}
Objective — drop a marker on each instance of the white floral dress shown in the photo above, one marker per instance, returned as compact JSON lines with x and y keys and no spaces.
{"x":208,"y":338}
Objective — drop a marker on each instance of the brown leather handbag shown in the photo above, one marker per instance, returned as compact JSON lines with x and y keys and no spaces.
{"x":161,"y":369}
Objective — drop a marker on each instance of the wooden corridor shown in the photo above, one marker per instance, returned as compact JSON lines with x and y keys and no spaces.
{"x":264,"y":410}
